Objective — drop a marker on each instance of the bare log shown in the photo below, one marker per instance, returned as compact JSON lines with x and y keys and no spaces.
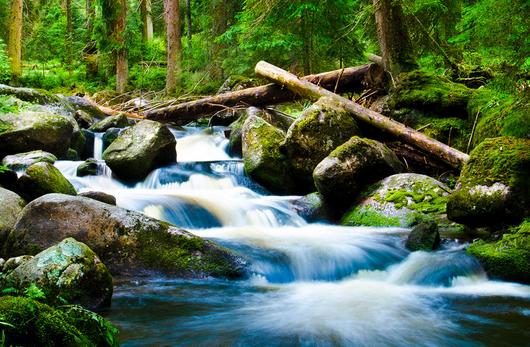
{"x":311,"y":91}
{"x":270,"y":94}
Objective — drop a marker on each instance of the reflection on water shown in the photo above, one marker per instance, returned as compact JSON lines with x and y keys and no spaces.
{"x":312,"y":284}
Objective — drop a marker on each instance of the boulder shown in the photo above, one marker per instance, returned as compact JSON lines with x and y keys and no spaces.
{"x":318,"y":131}
{"x":119,"y":121}
{"x":400,"y":200}
{"x":11,"y":206}
{"x":43,"y":178}
{"x":22,"y":161}
{"x":140,"y":149}
{"x":509,"y":258}
{"x":31,"y":95}
{"x":351,"y":167}
{"x":262,"y":159}
{"x":32,"y":323}
{"x":84,"y":119}
{"x":8,"y":178}
{"x":29,"y":131}
{"x":100,"y":196}
{"x":88,"y":107}
{"x":110,"y":135}
{"x":88,"y":168}
{"x":128,"y":242}
{"x":67,"y":271}
{"x":493,"y":187}
{"x":313,"y":208}
{"x":424,"y":237}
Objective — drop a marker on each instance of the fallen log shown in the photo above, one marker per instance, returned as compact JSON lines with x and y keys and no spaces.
{"x":311,"y":91}
{"x":348,"y":79}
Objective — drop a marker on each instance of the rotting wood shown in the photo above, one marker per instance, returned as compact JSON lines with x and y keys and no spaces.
{"x":311,"y":91}
{"x":350,"y":79}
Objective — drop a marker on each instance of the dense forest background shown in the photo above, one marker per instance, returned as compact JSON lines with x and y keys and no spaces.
{"x":75,"y":45}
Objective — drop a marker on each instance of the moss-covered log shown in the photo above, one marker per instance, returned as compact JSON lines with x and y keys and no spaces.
{"x":312,"y":91}
{"x":270,"y":94}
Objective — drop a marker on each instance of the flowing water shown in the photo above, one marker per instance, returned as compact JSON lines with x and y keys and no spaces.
{"x":311,"y":284}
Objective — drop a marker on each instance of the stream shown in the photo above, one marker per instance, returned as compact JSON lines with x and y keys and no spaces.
{"x":311,"y":284}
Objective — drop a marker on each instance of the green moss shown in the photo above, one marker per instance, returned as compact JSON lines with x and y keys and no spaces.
{"x":431,"y":93}
{"x":452,"y":131}
{"x":509,"y":258}
{"x":420,"y":199}
{"x":362,"y":216}
{"x":43,"y":178}
{"x":185,"y":256}
{"x":499,"y":114}
{"x":30,"y":323}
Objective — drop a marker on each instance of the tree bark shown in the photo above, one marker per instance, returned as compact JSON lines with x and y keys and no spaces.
{"x":349,"y":79}
{"x":393,"y":37}
{"x":189,"y":23}
{"x":311,"y":91}
{"x":90,"y":50}
{"x":69,"y":35}
{"x":14,"y":45}
{"x":122,"y":66}
{"x":174,"y":45}
{"x":147,"y":20}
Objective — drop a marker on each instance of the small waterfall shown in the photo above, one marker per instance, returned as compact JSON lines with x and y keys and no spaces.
{"x":98,"y":146}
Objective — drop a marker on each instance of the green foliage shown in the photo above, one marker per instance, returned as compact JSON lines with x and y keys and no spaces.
{"x":5,"y":68}
{"x":35,"y":293}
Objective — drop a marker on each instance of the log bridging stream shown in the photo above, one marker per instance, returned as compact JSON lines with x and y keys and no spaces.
{"x":311,"y":91}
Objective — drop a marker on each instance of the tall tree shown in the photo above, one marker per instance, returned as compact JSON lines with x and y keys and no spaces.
{"x":90,"y":50}
{"x":147,"y":20}
{"x":14,"y":49}
{"x":174,"y":44}
{"x":69,"y":34}
{"x":223,"y":13}
{"x":188,"y":22}
{"x":394,"y":40}
{"x":119,"y":26}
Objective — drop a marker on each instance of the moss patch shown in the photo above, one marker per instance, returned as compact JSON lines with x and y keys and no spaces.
{"x":361,"y":216}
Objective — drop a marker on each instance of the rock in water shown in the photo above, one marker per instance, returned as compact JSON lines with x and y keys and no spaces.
{"x":128,"y":242}
{"x":22,"y":161}
{"x":100,"y":196}
{"x":88,"y":168}
{"x":140,"y":149}
{"x":69,"y":270}
{"x":36,"y":324}
{"x":318,"y":131}
{"x":119,"y":121}
{"x":262,"y":158}
{"x":11,"y":206}
{"x":28,"y":131}
{"x":351,"y":167}
{"x":400,"y":200}
{"x":493,"y":187}
{"x":43,"y":178}
{"x":424,"y":237}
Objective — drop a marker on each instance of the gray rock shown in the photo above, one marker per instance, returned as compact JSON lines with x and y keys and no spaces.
{"x":342,"y":175}
{"x":140,"y":149}
{"x":88,"y":168}
{"x":100,"y":196}
{"x":119,"y":121}
{"x":69,"y":270}
{"x":128,"y":242}
{"x":41,"y":179}
{"x":11,"y":206}
{"x":22,"y":161}
{"x":424,"y":237}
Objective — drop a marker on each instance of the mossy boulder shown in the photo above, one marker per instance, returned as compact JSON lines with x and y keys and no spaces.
{"x":423,"y":237}
{"x":31,"y":95}
{"x":435,"y":95}
{"x":84,"y":119}
{"x":128,"y":242}
{"x":493,"y":187}
{"x":110,"y":135}
{"x":119,"y":121}
{"x":11,"y":206}
{"x":263,"y":161}
{"x":509,"y":258}
{"x":68,"y":271}
{"x":27,"y":322}
{"x":22,"y":161}
{"x":29,"y":131}
{"x":400,"y":200}
{"x":83,"y":104}
{"x":318,"y":131}
{"x":140,"y":149}
{"x":352,"y":166}
{"x":43,"y":178}
{"x":88,"y":168}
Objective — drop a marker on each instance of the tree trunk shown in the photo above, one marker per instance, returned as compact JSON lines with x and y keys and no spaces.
{"x":122,"y":66}
{"x":90,"y":51}
{"x":147,"y":20}
{"x":189,"y":23}
{"x":14,"y":45}
{"x":69,"y":35}
{"x":311,"y":91}
{"x":394,"y":40}
{"x":174,"y":45}
{"x":349,"y":79}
